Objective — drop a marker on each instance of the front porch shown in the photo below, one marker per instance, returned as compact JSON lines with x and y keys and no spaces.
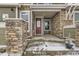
{"x":46,"y":23}
{"x":16,"y":35}
{"x":48,"y":45}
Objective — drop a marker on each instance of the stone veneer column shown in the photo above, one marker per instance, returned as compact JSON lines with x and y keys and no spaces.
{"x":16,"y":34}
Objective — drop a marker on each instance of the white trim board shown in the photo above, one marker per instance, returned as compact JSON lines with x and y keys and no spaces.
{"x":70,"y":26}
{"x":46,"y":10}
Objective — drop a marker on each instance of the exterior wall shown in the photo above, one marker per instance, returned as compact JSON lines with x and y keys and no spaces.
{"x":6,"y":10}
{"x":64,"y":22}
{"x":59,"y":21}
{"x":16,"y":34}
{"x":12,"y":14}
{"x":56,"y":25}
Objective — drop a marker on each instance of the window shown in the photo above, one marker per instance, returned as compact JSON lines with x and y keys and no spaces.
{"x":69,"y":32}
{"x":5,"y":16}
{"x":46,"y":25}
{"x":76,"y":16}
{"x":25,"y":15}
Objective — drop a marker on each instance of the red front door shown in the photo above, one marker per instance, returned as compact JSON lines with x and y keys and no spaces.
{"x":38,"y":26}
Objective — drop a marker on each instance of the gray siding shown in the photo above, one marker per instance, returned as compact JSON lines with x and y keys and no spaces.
{"x":12,"y":14}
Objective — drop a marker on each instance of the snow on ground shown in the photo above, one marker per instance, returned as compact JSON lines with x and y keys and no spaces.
{"x":49,"y":46}
{"x":45,"y":46}
{"x":4,"y":54}
{"x":2,"y":24}
{"x":2,"y":46}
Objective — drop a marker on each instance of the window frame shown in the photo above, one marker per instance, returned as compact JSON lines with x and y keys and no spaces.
{"x":69,"y":33}
{"x":49,"y":20}
{"x":27,"y":14}
{"x":3,"y":16}
{"x":74,"y":16}
{"x":28,"y":18}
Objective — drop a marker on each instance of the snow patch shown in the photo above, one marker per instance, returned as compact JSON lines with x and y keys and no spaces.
{"x":48,"y":46}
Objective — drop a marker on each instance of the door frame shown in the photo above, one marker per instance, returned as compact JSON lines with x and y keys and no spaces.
{"x":41,"y":24}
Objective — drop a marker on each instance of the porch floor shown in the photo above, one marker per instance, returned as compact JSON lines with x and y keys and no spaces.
{"x":48,"y":38}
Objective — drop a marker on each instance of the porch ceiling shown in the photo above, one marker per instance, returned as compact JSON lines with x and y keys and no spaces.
{"x":47,"y":14}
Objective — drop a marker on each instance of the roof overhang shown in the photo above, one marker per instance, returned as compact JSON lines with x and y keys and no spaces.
{"x":49,"y":5}
{"x":8,"y":4}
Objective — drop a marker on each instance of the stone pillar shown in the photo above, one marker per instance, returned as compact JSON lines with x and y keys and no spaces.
{"x":16,"y":34}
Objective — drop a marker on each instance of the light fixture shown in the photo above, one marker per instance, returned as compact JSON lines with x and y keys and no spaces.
{"x":12,"y":9}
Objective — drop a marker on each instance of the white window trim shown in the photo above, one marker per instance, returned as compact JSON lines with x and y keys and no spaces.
{"x":28,"y":19}
{"x":27,"y":12}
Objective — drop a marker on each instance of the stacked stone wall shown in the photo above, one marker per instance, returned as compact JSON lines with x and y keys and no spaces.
{"x":16,"y":34}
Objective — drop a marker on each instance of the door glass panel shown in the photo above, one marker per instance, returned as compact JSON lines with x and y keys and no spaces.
{"x":38,"y":23}
{"x":38,"y":26}
{"x":46,"y":25}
